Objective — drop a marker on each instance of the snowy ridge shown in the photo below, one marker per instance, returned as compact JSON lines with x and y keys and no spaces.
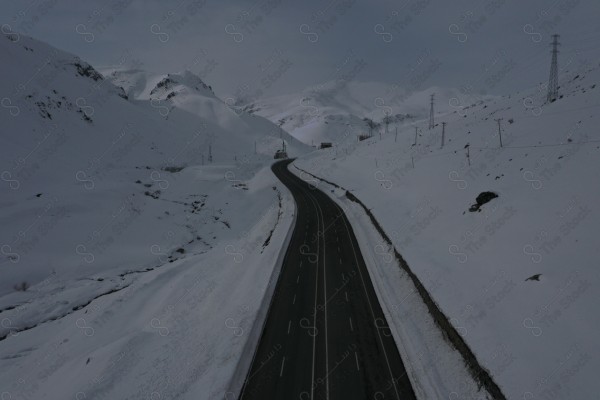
{"x":184,"y":97}
{"x":334,"y":111}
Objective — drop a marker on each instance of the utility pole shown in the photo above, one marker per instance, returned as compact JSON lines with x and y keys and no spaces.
{"x":431,"y":122}
{"x":467,"y":146}
{"x":386,"y":119}
{"x":553,"y":81}
{"x":210,"y":159}
{"x":443,"y":134}
{"x":416,"y":133}
{"x":499,"y":121}
{"x":396,"y":137}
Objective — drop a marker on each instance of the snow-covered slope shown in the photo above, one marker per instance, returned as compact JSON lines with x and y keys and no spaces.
{"x":334,"y":111}
{"x":518,"y":279}
{"x":115,"y":223}
{"x":183,"y":98}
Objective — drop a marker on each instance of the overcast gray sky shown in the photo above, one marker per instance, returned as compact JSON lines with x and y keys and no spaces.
{"x":269,"y":47}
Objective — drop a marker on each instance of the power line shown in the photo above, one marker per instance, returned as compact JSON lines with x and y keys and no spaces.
{"x":560,"y":112}
{"x":543,"y":145}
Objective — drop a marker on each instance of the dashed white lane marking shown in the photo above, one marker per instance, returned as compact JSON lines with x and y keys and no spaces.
{"x":340,"y":260}
{"x":339,"y":251}
{"x":356,"y":357}
{"x":351,"y":327}
{"x":283,"y":363}
{"x":294,"y":301}
{"x":289,"y":326}
{"x":346,"y":296}
{"x":298,"y":279}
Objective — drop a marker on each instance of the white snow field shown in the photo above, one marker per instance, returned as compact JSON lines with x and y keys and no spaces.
{"x":519,"y":278}
{"x":132,"y":266}
{"x":335,"y":110}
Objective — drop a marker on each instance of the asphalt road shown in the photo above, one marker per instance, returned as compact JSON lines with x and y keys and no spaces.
{"x":325,"y":336}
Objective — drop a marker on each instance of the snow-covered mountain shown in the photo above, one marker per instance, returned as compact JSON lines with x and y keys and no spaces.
{"x":64,"y":124}
{"x":515,"y":274}
{"x":335,"y":111}
{"x":183,"y":97}
{"x":120,"y":211}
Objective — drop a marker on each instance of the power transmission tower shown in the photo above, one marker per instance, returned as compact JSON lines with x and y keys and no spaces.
{"x":443,"y":134}
{"x":553,"y":81}
{"x":499,"y":121}
{"x":431,"y":122}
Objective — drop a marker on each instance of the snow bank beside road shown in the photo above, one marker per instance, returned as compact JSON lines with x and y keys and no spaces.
{"x":436,"y":369}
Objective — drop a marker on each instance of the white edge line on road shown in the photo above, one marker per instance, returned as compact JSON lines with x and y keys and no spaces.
{"x":370,"y":305}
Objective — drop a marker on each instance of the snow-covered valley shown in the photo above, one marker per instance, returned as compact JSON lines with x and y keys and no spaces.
{"x":144,"y":233}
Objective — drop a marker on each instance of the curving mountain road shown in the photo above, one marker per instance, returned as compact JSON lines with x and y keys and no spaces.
{"x":325,"y":336}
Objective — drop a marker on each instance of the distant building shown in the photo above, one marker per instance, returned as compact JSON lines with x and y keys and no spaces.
{"x":281,"y":153}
